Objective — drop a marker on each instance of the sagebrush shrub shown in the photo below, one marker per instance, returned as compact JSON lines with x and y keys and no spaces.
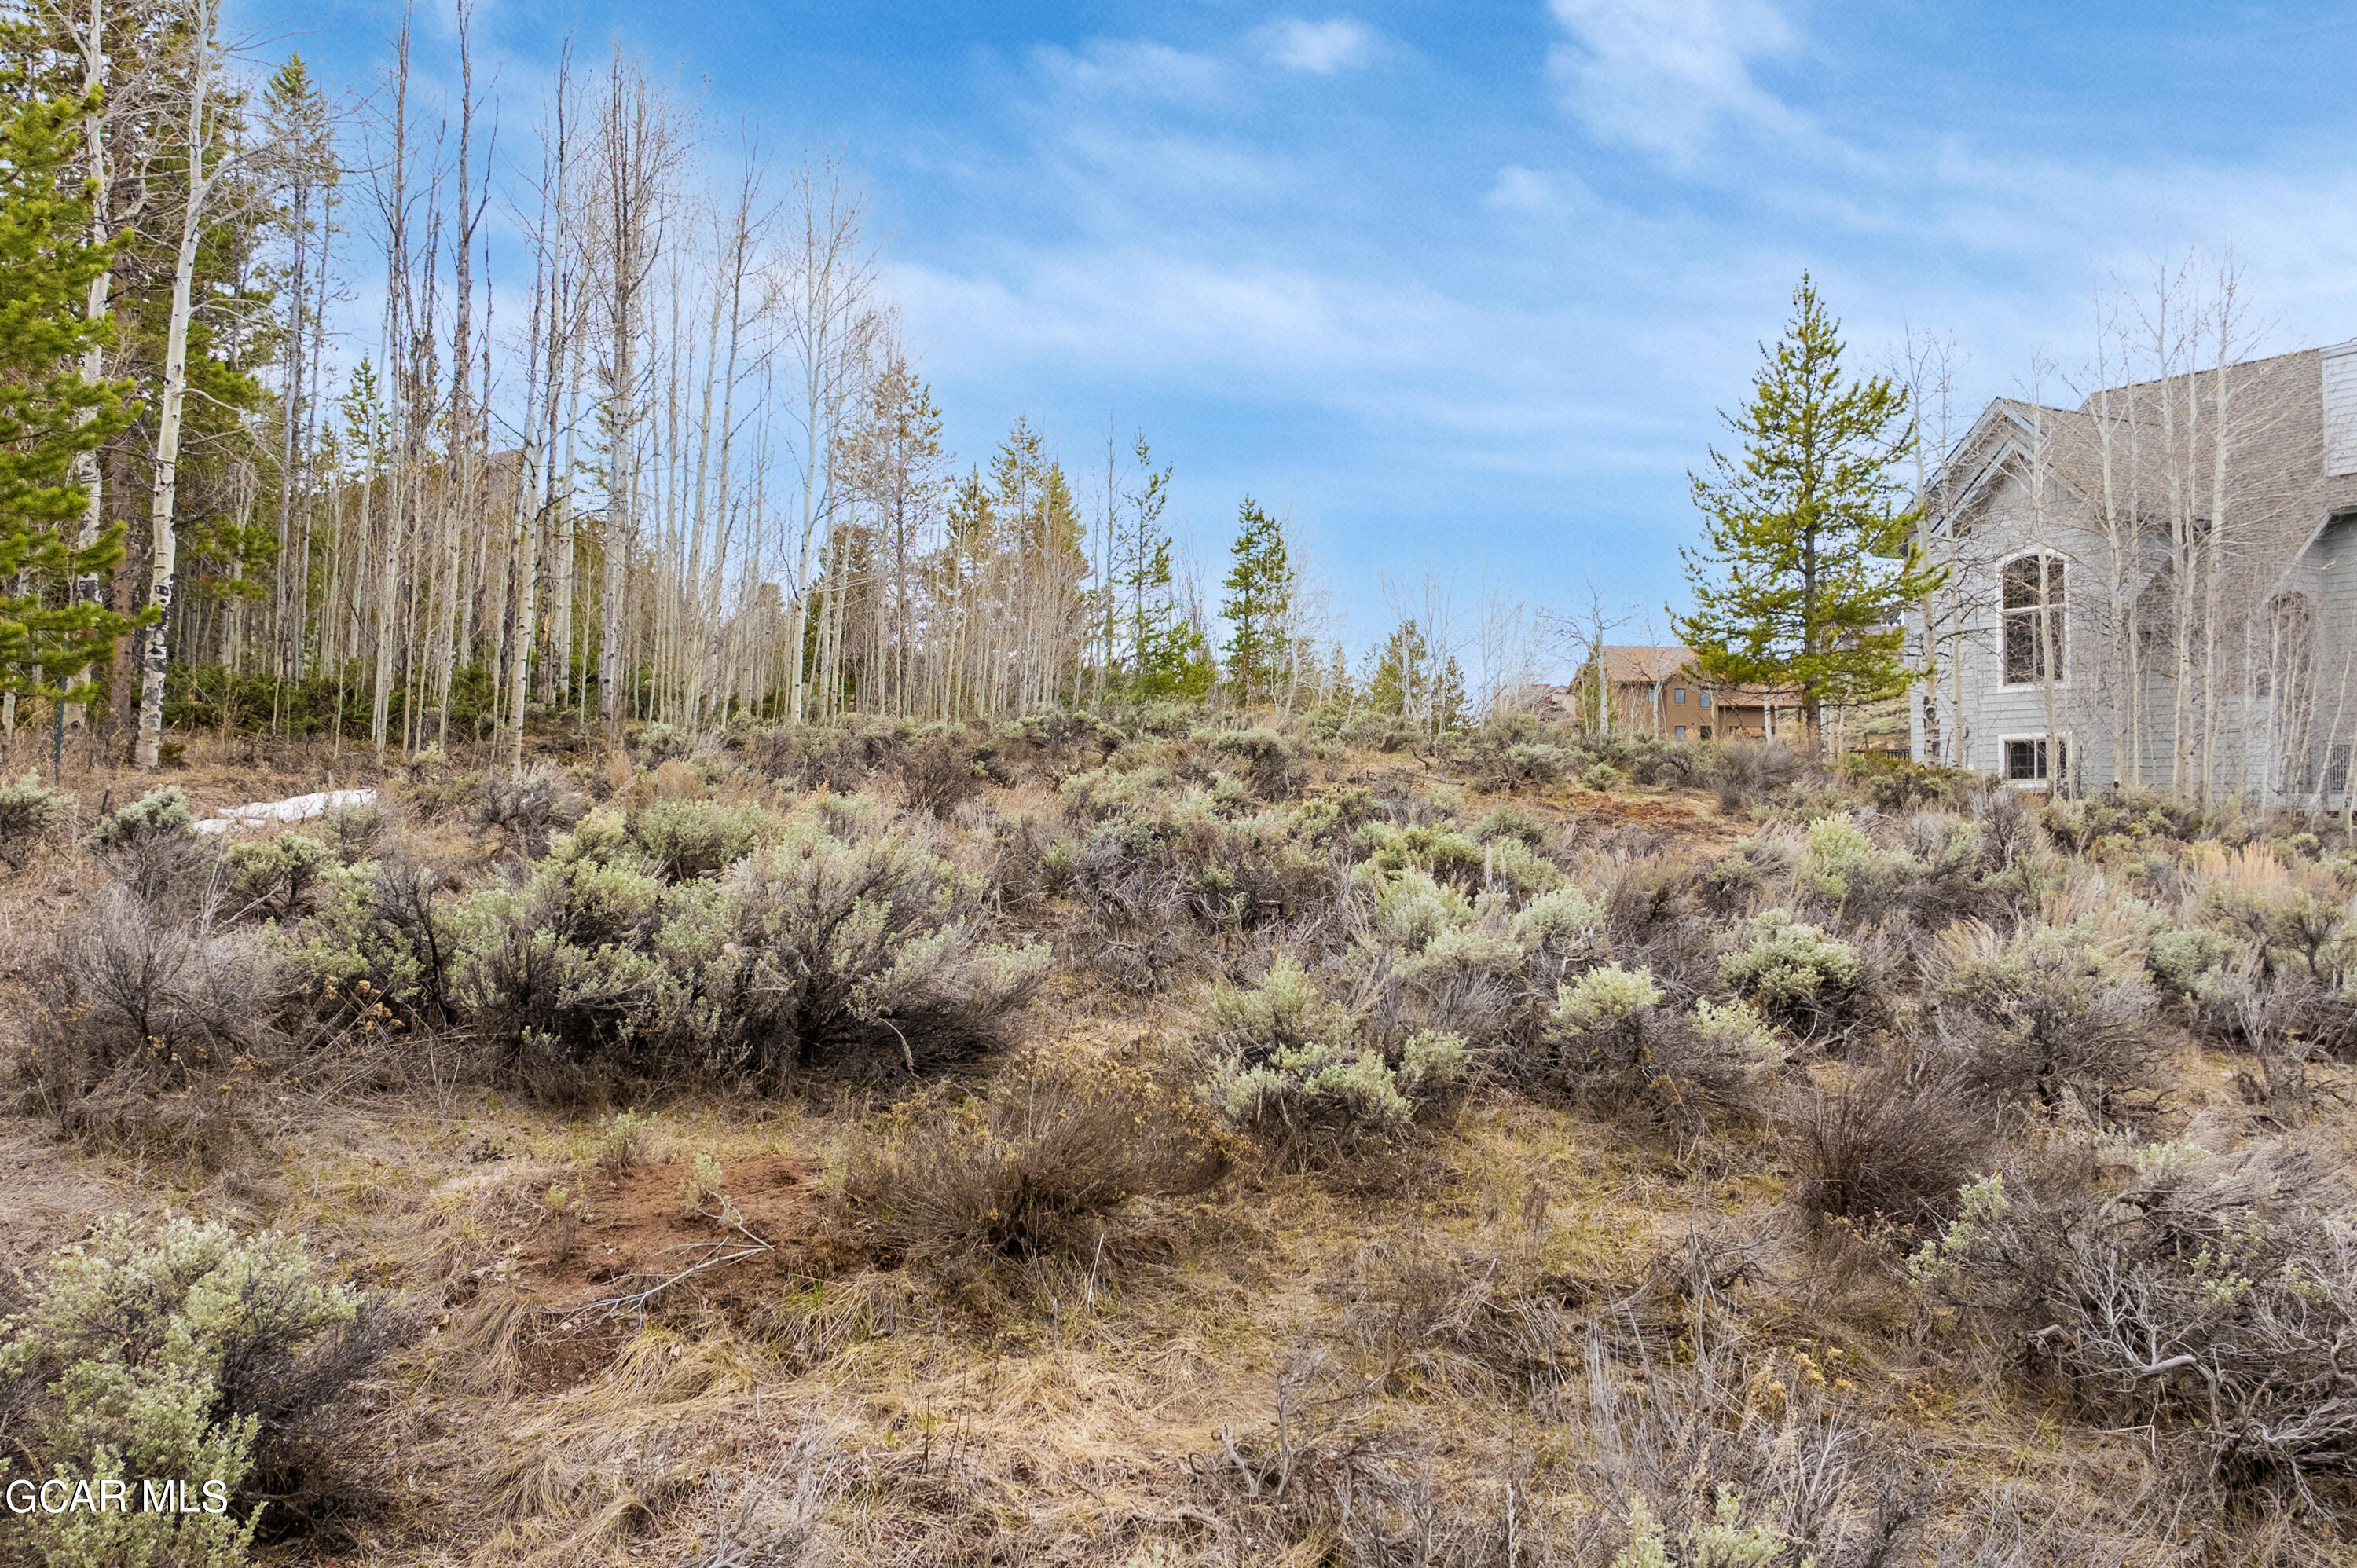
{"x":1295,"y":1070}
{"x":130,"y":1004}
{"x":160,"y":813}
{"x":1614,"y":1046}
{"x":2047,"y":1013}
{"x":559,"y":975}
{"x":532,"y":805}
{"x":1038,"y":1165}
{"x":1268,"y":760}
{"x":31,"y":813}
{"x":1328,"y":1099}
{"x":184,"y":1353}
{"x":692,"y":838}
{"x":152,"y":847}
{"x":1837,"y":858}
{"x":1790,"y":969}
{"x":2183,"y":958}
{"x":2291,"y":920}
{"x":271,"y":878}
{"x":2208,"y":1294}
{"x":825,"y":952}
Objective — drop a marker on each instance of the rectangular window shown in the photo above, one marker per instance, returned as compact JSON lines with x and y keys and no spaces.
{"x":2336,"y":769}
{"x":2025,"y":758}
{"x":1706,"y":731}
{"x":1682,"y":732}
{"x":1706,"y":696}
{"x":2032,"y":614}
{"x":1681,"y":695}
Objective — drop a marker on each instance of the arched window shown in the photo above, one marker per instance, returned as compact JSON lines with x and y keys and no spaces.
{"x":2032,"y":611}
{"x":2281,"y":663}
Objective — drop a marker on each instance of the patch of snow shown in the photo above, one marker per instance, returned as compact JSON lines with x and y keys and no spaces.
{"x":302,"y":808}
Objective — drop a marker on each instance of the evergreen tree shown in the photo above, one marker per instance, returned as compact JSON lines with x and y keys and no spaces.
{"x":1399,"y":679}
{"x":1408,"y":680}
{"x":1811,"y":555}
{"x":1260,"y":594}
{"x":50,"y":415}
{"x":1162,"y":651}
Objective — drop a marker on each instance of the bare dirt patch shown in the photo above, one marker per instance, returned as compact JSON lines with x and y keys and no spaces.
{"x":636,"y":1239}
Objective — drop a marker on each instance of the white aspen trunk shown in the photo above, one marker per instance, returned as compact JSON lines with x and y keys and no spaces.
{"x":87,"y":470}
{"x":170,"y":402}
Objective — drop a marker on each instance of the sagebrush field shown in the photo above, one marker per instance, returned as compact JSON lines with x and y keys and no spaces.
{"x":1167,"y":1140}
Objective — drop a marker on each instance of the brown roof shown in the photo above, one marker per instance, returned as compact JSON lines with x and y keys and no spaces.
{"x":1637,"y":665}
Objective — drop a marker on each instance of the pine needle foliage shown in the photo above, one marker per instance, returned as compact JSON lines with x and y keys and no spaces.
{"x":49,"y":415}
{"x":1809,"y":552}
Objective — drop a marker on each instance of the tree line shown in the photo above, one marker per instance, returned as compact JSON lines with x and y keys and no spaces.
{"x":677,"y":460}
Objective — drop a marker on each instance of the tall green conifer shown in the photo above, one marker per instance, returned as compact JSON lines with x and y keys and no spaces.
{"x":1260,"y":594}
{"x":1810,"y":556}
{"x":48,"y":413}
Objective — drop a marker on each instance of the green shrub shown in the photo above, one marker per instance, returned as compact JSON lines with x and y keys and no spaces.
{"x":1506,"y":823}
{"x":560,"y":974}
{"x":271,"y":878}
{"x":2180,"y":957}
{"x":1600,"y":776}
{"x":1267,"y":759}
{"x":29,"y":814}
{"x":1604,"y":999}
{"x":1565,"y":920}
{"x":1790,"y":969}
{"x":824,"y":951}
{"x":151,"y":846}
{"x":187,"y":1354}
{"x":1412,"y":909}
{"x":1837,"y":856}
{"x":160,"y":813}
{"x":1290,"y":1069}
{"x":1613,"y":1045}
{"x":687,"y":839}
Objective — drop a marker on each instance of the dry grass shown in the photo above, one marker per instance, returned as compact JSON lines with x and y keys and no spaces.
{"x":1443,"y":1355}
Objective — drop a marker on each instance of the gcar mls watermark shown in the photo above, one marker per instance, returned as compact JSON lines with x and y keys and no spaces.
{"x":111,"y":1495}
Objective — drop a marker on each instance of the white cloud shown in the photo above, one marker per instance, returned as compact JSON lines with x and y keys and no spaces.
{"x":1319,"y":47}
{"x":1133,"y":68}
{"x":1520,"y":189}
{"x":1661,"y":74}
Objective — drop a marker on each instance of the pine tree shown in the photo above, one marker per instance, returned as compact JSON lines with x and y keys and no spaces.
{"x":1399,"y":681}
{"x":50,"y":415}
{"x":1162,"y":653}
{"x":1408,"y":680}
{"x":1811,"y":555}
{"x":1260,"y":589}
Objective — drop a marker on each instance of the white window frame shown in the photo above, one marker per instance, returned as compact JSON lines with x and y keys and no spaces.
{"x":2054,"y":753}
{"x":2068,"y":663}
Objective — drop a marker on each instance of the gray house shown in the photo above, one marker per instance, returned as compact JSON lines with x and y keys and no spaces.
{"x":2156,"y":586}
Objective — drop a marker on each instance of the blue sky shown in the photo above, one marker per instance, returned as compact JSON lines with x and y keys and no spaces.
{"x":1462,"y":286}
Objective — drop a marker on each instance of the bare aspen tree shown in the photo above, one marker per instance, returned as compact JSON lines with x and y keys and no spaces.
{"x":639,"y":149}
{"x":196,"y":200}
{"x":825,"y":278}
{"x":1927,"y":368}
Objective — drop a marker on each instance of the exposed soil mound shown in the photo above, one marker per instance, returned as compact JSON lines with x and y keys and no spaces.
{"x":635,"y":1239}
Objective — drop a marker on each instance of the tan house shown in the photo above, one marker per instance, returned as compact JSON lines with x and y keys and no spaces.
{"x":1655,"y":691}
